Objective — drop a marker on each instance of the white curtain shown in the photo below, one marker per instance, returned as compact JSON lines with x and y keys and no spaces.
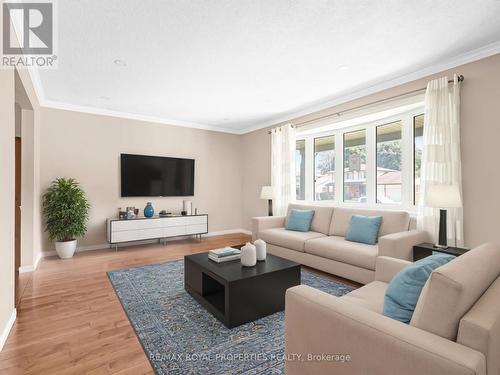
{"x":283,"y":167}
{"x":441,"y":161}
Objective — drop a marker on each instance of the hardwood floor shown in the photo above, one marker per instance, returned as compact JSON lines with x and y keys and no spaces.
{"x":71,"y":322}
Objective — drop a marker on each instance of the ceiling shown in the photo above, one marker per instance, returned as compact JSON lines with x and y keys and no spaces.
{"x":238,"y":65}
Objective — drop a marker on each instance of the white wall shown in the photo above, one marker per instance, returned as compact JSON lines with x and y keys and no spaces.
{"x":7,"y":199}
{"x":26,"y":97}
{"x":87,"y":147}
{"x":27,"y":188}
{"x":256,"y":167}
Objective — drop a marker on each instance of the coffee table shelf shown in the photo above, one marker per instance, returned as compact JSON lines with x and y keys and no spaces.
{"x":213,"y":292}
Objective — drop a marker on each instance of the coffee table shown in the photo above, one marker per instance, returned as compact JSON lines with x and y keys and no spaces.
{"x":235,"y":294}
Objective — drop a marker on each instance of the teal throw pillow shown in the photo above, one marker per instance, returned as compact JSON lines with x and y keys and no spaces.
{"x":300,"y":220}
{"x":403,"y":291}
{"x":364,"y":229}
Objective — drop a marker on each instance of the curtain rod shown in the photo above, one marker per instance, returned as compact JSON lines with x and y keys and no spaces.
{"x":340,"y":113}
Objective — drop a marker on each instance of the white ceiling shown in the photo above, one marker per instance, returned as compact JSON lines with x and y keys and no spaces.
{"x":236,"y":65}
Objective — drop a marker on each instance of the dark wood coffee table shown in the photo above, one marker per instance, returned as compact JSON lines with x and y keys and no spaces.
{"x":235,"y":294}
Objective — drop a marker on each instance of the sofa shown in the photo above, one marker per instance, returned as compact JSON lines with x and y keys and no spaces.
{"x":454,"y":330}
{"x":325,"y":248}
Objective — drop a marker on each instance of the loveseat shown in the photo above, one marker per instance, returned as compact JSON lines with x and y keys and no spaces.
{"x":454,"y":330}
{"x":325,"y":248}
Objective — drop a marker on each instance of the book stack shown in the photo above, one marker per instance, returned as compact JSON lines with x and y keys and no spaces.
{"x":225,"y":254}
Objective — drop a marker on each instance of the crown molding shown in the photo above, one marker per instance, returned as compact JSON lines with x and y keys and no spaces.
{"x":462,"y":59}
{"x":132,"y":116}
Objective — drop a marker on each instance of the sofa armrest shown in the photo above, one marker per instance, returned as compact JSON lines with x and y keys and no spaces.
{"x":266,"y":222}
{"x":400,"y":245}
{"x":361,"y":341}
{"x":386,"y":268}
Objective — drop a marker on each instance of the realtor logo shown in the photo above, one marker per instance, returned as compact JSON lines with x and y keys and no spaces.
{"x":36,"y":32}
{"x":28,"y":34}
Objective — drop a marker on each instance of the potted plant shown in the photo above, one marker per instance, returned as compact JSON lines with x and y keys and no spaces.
{"x":66,"y":210}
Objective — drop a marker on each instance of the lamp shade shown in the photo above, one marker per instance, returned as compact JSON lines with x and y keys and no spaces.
{"x":267,"y":192}
{"x":443,"y":196}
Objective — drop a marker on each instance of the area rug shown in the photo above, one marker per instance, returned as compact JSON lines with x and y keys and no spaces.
{"x":180,"y":337}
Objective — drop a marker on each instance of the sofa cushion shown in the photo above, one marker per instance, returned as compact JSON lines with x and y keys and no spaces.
{"x":364,"y":229}
{"x":321,"y":219}
{"x":300,"y":220}
{"x":405,"y":287}
{"x":454,"y":288}
{"x":341,"y":250}
{"x":370,"y":296}
{"x":392,"y":221}
{"x":288,"y":238}
{"x":480,"y":327}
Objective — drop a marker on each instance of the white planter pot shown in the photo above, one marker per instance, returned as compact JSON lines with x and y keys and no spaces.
{"x":65,"y":249}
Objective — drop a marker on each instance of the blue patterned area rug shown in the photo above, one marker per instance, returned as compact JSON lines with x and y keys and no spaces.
{"x":180,"y":337}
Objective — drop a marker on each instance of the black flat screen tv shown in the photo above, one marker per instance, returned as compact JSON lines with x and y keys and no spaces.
{"x":155,"y":176}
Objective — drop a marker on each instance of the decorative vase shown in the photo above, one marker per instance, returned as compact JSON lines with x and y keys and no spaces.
{"x":248,"y":255}
{"x":149,"y":211}
{"x":187,"y":206}
{"x":261,"y":251}
{"x":65,"y":249}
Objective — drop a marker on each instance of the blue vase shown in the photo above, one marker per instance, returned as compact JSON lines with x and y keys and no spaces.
{"x":149,"y":211}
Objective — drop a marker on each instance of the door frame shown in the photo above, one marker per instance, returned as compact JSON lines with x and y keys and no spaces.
{"x":17,"y":216}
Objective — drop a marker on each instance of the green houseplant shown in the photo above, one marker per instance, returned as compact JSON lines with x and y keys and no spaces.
{"x":66,"y":210}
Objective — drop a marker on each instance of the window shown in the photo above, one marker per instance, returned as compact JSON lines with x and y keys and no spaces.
{"x":389,"y":155}
{"x":324,"y":168}
{"x":418,"y":139}
{"x":355,"y":166}
{"x":370,"y":161}
{"x":300,"y":169}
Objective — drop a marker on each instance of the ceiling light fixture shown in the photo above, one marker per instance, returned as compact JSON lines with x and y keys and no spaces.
{"x":343,"y":67}
{"x":120,"y":62}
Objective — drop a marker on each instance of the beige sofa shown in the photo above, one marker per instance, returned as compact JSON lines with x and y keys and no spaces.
{"x":455,"y":329}
{"x":325,"y":247}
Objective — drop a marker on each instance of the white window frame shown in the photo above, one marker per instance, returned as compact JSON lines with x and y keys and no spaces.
{"x":407,"y":160}
{"x":413,"y":114}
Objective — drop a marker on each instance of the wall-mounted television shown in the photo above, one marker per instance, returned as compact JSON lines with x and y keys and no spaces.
{"x":155,"y":176}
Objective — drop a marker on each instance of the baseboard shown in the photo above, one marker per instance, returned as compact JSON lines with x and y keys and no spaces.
{"x":31,"y":267}
{"x":79,"y":249}
{"x":6,"y":330}
{"x":229,"y":231}
{"x":146,"y":242}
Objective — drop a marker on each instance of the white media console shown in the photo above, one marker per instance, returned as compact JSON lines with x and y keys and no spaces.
{"x":127,"y":230}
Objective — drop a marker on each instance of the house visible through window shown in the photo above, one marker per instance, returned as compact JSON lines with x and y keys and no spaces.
{"x":355,"y":166}
{"x":324,"y":168}
{"x":389,"y":154}
{"x":380,"y":155}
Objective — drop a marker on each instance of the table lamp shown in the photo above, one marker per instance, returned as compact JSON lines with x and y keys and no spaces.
{"x":443,"y":197}
{"x":267,"y":192}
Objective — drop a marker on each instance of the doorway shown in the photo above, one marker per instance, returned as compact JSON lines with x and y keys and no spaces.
{"x":17,"y":230}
